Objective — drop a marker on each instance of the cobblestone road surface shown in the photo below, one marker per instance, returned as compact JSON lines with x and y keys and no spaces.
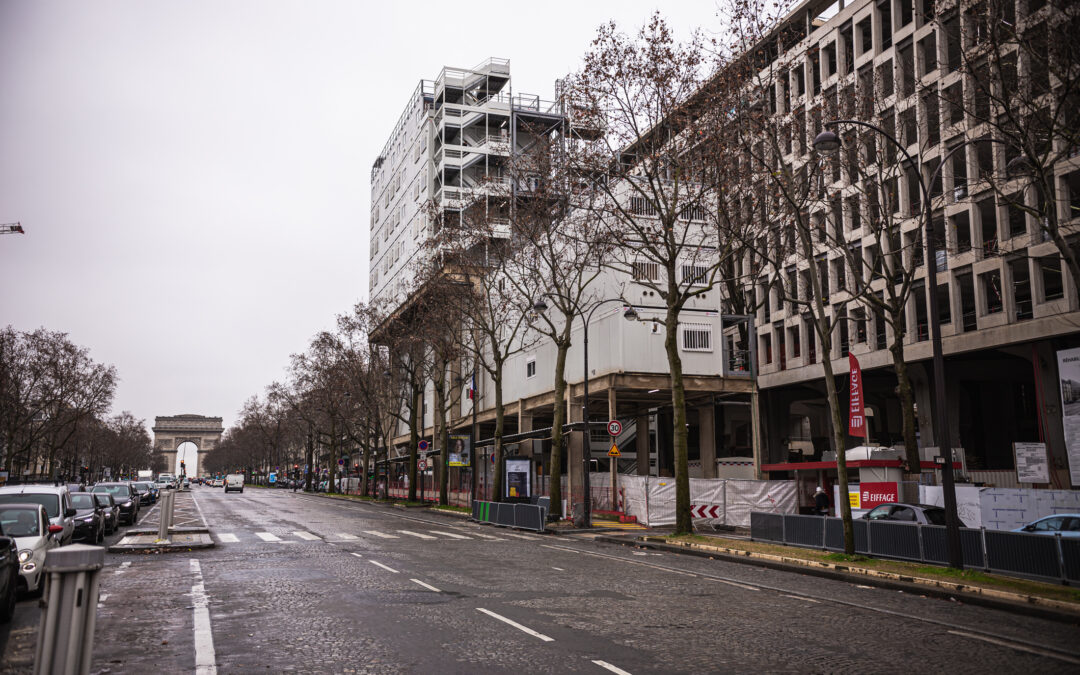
{"x":299,"y":583}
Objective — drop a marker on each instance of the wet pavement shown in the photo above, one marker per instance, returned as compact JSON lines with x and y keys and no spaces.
{"x":300,"y":583}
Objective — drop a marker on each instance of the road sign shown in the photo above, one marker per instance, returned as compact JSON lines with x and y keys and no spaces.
{"x":341,"y":462}
{"x":421,"y":464}
{"x":423,"y":445}
{"x":614,"y":427}
{"x":614,"y":451}
{"x":704,"y":511}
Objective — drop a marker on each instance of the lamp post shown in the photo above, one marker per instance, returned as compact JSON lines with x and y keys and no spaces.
{"x":828,"y":143}
{"x":630,"y":315}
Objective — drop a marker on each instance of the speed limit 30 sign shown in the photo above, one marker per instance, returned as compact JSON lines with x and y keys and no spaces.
{"x":614,"y":428}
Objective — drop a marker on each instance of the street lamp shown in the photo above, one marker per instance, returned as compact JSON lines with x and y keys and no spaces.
{"x":630,"y":314}
{"x":828,"y":143}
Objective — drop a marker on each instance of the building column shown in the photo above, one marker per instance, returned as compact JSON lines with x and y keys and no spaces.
{"x":642,"y":443}
{"x":707,"y":439}
{"x":575,"y":456}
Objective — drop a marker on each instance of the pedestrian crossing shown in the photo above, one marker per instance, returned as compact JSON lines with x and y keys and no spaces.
{"x":301,"y":536}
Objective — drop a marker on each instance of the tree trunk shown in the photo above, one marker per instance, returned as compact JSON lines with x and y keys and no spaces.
{"x":365,"y":460}
{"x":907,"y":403}
{"x":414,"y":438}
{"x":683,"y":522}
{"x":559,"y":417}
{"x":310,"y":448}
{"x":500,"y":415}
{"x":441,"y":431}
{"x":330,"y":486}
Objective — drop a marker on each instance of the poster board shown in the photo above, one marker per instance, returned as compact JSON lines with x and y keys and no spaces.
{"x":1032,"y":465}
{"x":460,"y":450}
{"x":518,"y":478}
{"x":1068,"y":362}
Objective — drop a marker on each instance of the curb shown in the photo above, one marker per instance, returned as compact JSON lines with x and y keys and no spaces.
{"x":976,"y":595}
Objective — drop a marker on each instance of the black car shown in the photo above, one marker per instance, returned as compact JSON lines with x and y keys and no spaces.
{"x":126,"y":498}
{"x":146,"y":497}
{"x":9,"y":576}
{"x":89,"y":521}
{"x":110,"y":512}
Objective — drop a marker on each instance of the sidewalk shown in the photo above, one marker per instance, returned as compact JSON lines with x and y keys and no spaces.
{"x":188,"y":531}
{"x":974,"y":586}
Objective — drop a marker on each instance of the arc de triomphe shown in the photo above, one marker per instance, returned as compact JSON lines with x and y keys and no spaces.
{"x":170,"y":432}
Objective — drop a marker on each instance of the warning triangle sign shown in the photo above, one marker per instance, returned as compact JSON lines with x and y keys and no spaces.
{"x":614,"y":451}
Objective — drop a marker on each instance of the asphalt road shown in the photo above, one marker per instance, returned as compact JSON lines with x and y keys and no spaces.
{"x":300,"y":583}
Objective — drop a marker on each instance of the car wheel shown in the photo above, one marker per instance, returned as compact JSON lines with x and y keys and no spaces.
{"x":8,"y":610}
{"x":241,"y":490}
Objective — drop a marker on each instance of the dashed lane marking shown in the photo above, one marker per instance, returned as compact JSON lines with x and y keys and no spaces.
{"x":450,"y":534}
{"x":486,"y":536}
{"x":356,"y":554}
{"x":123,"y":567}
{"x":607,"y":666}
{"x":345,"y":537}
{"x":515,"y":624}
{"x":427,"y":586}
{"x":417,"y":534}
{"x":735,"y":584}
{"x":228,"y":538}
{"x":796,"y":597}
{"x":558,"y":568}
{"x":388,"y":569}
{"x":520,"y":536}
{"x":306,"y":535}
{"x":266,"y":536}
{"x":381,"y":534}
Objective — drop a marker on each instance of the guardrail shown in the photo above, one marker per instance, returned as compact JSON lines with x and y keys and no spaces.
{"x":1017,"y":554}
{"x":530,"y":516}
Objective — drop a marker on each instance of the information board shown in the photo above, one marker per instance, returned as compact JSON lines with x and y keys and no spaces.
{"x":1032,"y":465}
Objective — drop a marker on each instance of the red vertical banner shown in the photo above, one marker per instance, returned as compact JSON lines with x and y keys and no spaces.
{"x":856,"y":417}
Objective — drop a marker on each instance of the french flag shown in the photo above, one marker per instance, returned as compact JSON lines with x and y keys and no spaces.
{"x":472,"y":387}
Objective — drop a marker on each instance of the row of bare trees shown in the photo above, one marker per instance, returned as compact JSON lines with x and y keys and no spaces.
{"x":54,"y":404}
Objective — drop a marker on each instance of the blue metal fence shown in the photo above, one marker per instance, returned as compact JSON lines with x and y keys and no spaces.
{"x":1011,"y":553}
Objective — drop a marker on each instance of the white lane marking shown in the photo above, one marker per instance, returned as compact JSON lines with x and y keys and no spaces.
{"x":228,"y":538}
{"x":417,"y":534}
{"x":306,"y":535}
{"x":123,"y":567}
{"x":515,"y":624}
{"x":205,"y":659}
{"x":266,"y":536}
{"x":632,"y":562}
{"x":345,"y":537}
{"x":450,"y":534}
{"x":558,"y":568}
{"x":381,"y":534}
{"x":1017,"y":646}
{"x":519,"y":536}
{"x":427,"y":586}
{"x":486,"y":536}
{"x":798,"y":597}
{"x":614,"y":669}
{"x":388,"y":569}
{"x":103,"y":597}
{"x":357,"y":555}
{"x":735,"y":584}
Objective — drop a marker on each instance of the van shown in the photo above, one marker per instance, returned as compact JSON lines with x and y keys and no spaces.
{"x":234,"y":481}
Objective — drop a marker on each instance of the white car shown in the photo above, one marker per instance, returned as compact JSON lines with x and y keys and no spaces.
{"x":217,"y":482}
{"x":55,"y":499}
{"x":28,"y":525}
{"x":234,"y":482}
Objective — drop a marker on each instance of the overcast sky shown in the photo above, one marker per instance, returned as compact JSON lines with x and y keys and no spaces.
{"x":193,"y":177}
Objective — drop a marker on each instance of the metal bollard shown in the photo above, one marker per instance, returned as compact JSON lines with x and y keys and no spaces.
{"x":166,"y":515}
{"x":65,"y":638}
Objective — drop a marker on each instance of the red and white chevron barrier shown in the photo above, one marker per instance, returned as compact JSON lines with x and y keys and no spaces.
{"x":705,"y":511}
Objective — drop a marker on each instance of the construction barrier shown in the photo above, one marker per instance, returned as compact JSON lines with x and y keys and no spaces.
{"x":531,"y":516}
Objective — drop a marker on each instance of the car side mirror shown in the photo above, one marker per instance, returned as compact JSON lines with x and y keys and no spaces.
{"x":69,"y":513}
{"x":1029,"y":528}
{"x":56,"y":529}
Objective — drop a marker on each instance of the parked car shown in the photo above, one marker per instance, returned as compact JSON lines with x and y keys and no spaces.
{"x":145,"y":496}
{"x":110,"y":511}
{"x":89,"y":521}
{"x":1065,"y":524}
{"x":234,"y":482}
{"x":9,"y":571}
{"x":75,"y":487}
{"x":925,"y":514}
{"x":28,"y":525}
{"x":55,"y":499}
{"x":126,"y":497}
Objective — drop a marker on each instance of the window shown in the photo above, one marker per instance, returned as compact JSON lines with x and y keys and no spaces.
{"x":991,"y":288}
{"x":695,"y":275}
{"x":697,"y":337}
{"x":530,"y":368}
{"x":1050,"y":268}
{"x":641,"y":206}
{"x":928,"y":49}
{"x":646,"y":271}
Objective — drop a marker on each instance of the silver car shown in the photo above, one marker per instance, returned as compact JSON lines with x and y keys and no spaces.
{"x":925,"y":514}
{"x":28,"y":525}
{"x":55,"y":499}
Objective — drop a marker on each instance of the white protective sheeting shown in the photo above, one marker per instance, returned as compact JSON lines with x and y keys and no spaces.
{"x":652,"y":500}
{"x":1003,"y":508}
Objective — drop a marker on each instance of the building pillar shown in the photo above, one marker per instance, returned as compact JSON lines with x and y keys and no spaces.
{"x":575,"y":456}
{"x":707,"y":439}
{"x":642,"y":445}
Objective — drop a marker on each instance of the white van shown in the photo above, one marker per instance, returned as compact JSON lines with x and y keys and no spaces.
{"x":234,"y":481}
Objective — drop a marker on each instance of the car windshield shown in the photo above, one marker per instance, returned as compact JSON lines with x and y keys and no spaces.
{"x":139,"y":487}
{"x":82,"y":501}
{"x":115,"y":490}
{"x":20,"y":523}
{"x":935,"y":516}
{"x":49,"y":501}
{"x":102,"y":499}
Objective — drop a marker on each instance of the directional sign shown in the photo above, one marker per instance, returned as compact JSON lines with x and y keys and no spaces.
{"x":421,"y":464}
{"x":614,"y":451}
{"x":614,"y":427}
{"x":705,"y":511}
{"x":423,"y":445}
